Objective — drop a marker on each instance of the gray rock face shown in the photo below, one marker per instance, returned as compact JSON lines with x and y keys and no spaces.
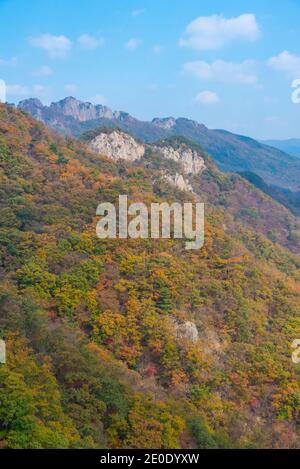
{"x":188,"y":331}
{"x":234,"y":153}
{"x":2,"y":351}
{"x":165,"y":123}
{"x":179,"y":181}
{"x":190,"y":160}
{"x":33,"y":106}
{"x":81,"y":111}
{"x":68,"y":107}
{"x":117,"y":145}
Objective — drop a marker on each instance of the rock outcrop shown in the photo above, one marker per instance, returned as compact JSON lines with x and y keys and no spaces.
{"x":165,"y":123}
{"x":233,"y":153}
{"x":179,"y":182}
{"x":188,"y":331}
{"x":190,"y":160}
{"x":120,"y":145}
{"x":81,"y":111}
{"x":117,"y":145}
{"x":34,"y":107}
{"x":69,"y":107}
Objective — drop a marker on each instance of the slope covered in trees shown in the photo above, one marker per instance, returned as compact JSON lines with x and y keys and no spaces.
{"x":232,"y":152}
{"x":98,"y":353}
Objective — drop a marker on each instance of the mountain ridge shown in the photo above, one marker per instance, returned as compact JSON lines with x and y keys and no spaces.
{"x":291,"y":145}
{"x":232,"y":152}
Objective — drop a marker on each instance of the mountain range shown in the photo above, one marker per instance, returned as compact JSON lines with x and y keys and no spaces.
{"x":232,"y":153}
{"x":139,"y":343}
{"x":291,"y":146}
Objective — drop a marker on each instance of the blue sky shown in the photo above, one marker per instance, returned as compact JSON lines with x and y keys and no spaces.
{"x":227,"y":64}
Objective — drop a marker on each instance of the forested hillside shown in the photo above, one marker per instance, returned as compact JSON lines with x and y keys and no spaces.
{"x":232,"y":152}
{"x":140,"y":343}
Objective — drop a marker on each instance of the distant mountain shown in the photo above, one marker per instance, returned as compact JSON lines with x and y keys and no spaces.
{"x":291,"y":146}
{"x":234,"y":153}
{"x":289,"y":199}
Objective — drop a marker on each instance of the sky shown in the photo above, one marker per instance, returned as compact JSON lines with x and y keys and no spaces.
{"x":227,"y":64}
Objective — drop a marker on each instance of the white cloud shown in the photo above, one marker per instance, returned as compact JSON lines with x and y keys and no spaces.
{"x":211,"y":32}
{"x":158,"y":49}
{"x":98,"y":99}
{"x":86,"y":41}
{"x":226,"y":72}
{"x":20,"y":91}
{"x":2,"y":91}
{"x":137,"y":12}
{"x":207,"y":97}
{"x":11,"y":61}
{"x":55,"y":46}
{"x":133,"y":44}
{"x":39,"y":91}
{"x":71,"y":88}
{"x":43,"y":71}
{"x":287,"y":63}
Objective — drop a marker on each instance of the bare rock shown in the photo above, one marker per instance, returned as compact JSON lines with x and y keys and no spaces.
{"x":179,"y":182}
{"x":165,"y":123}
{"x":188,"y":331}
{"x":2,"y":351}
{"x":190,"y":160}
{"x":117,"y":145}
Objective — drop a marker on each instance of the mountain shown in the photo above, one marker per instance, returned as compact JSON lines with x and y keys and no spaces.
{"x":289,"y":199}
{"x":185,"y":166}
{"x":140,"y":343}
{"x":232,"y":152}
{"x":291,"y":146}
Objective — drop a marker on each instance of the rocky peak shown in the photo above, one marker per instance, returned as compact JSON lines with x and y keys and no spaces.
{"x":34,"y":102}
{"x":165,"y":123}
{"x":120,"y":145}
{"x":190,"y":160}
{"x":81,"y":111}
{"x":33,"y":106}
{"x":121,"y":115}
{"x":183,"y":121}
{"x":104,"y":112}
{"x":117,"y":145}
{"x":69,"y":107}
